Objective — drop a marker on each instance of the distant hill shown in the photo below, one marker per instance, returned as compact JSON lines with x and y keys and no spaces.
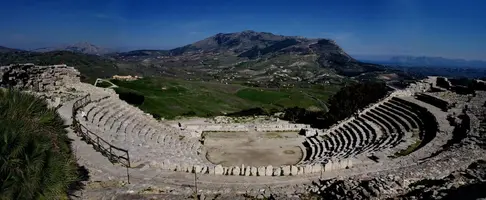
{"x":235,"y":42}
{"x":82,"y":47}
{"x":6,"y":49}
{"x":250,"y":57}
{"x":242,"y":54}
{"x":424,"y":61}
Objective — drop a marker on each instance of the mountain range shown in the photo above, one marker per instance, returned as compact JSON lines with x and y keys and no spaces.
{"x":424,"y":61}
{"x":256,"y":58}
{"x":81,"y":47}
{"x":7,"y":50}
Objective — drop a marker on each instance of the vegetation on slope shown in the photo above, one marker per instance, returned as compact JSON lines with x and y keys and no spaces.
{"x":343,"y":104}
{"x":255,"y":52}
{"x":168,"y":98}
{"x":35,"y":155}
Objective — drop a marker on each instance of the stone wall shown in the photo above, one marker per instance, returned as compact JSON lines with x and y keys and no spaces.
{"x":38,"y":78}
{"x":286,"y":170}
{"x":199,"y":128}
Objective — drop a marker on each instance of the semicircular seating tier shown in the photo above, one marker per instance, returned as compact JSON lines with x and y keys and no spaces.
{"x":148,"y":141}
{"x":384,"y":129}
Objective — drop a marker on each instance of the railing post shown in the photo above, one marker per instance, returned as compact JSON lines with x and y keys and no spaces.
{"x":128,"y":176}
{"x":128,"y":166}
{"x":88,"y":136}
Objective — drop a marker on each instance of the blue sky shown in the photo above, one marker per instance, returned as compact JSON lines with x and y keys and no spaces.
{"x":448,"y":28}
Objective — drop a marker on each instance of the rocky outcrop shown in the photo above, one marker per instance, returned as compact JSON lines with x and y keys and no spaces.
{"x":38,"y":78}
{"x":463,"y":184}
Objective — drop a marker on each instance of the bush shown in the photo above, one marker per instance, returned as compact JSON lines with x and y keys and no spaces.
{"x":248,"y":112}
{"x":343,"y":104}
{"x":130,"y":96}
{"x":35,"y":155}
{"x":190,"y":113}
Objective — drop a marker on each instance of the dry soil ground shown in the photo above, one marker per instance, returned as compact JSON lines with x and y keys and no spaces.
{"x":253,"y":148}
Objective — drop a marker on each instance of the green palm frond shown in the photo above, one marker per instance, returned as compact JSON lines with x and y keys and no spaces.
{"x":36,"y":161}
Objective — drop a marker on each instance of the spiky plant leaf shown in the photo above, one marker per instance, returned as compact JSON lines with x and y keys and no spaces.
{"x":36,"y":161}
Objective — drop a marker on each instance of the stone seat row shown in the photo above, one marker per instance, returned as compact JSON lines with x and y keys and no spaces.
{"x":383,"y":127}
{"x":143,"y":136}
{"x":141,"y":153}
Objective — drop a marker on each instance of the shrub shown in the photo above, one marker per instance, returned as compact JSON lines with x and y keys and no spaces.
{"x":35,"y":155}
{"x":343,"y":104}
{"x":248,"y":112}
{"x":130,"y":96}
{"x":190,"y":113}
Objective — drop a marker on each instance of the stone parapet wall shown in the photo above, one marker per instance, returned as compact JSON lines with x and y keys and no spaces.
{"x":286,"y":170}
{"x":38,"y":78}
{"x":245,"y":127}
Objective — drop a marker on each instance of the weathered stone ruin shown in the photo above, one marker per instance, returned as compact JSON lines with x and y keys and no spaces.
{"x":406,"y":134}
{"x":38,"y":78}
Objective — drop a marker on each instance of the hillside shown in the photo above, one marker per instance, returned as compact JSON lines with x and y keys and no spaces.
{"x":168,"y":97}
{"x":7,"y":50}
{"x":81,"y":47}
{"x":257,"y":58}
{"x":254,"y":58}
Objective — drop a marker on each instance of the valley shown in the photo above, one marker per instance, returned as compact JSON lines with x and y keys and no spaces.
{"x":238,"y":112}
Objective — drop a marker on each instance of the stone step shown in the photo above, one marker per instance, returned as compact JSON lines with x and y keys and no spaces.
{"x":347,"y":139}
{"x":109,"y":116}
{"x":120,"y":119}
{"x":382,"y":121}
{"x":411,"y":118}
{"x":397,"y":127}
{"x":404,"y":123}
{"x":382,"y":127}
{"x":98,"y":108}
{"x":104,"y":110}
{"x":110,"y":123}
{"x":361,"y":137}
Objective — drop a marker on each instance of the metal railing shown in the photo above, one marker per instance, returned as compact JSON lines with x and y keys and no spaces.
{"x":113,"y":153}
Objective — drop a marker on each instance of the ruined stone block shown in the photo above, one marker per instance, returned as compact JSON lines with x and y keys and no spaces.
{"x":277,"y":171}
{"x":261,"y":171}
{"x":293,"y":170}
{"x":269,"y":170}
{"x":218,"y":170}
{"x":286,"y":170}
{"x":236,"y":171}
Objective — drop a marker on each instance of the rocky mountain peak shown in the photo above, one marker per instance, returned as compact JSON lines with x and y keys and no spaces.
{"x":80,"y":47}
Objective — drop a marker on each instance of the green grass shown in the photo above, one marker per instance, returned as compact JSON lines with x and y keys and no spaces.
{"x":170,"y":98}
{"x":35,"y":155}
{"x":408,"y":150}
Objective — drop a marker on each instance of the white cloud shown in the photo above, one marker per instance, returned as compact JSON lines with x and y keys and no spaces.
{"x":106,"y":16}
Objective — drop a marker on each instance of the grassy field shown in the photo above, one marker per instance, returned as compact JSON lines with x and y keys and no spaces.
{"x":169,"y":97}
